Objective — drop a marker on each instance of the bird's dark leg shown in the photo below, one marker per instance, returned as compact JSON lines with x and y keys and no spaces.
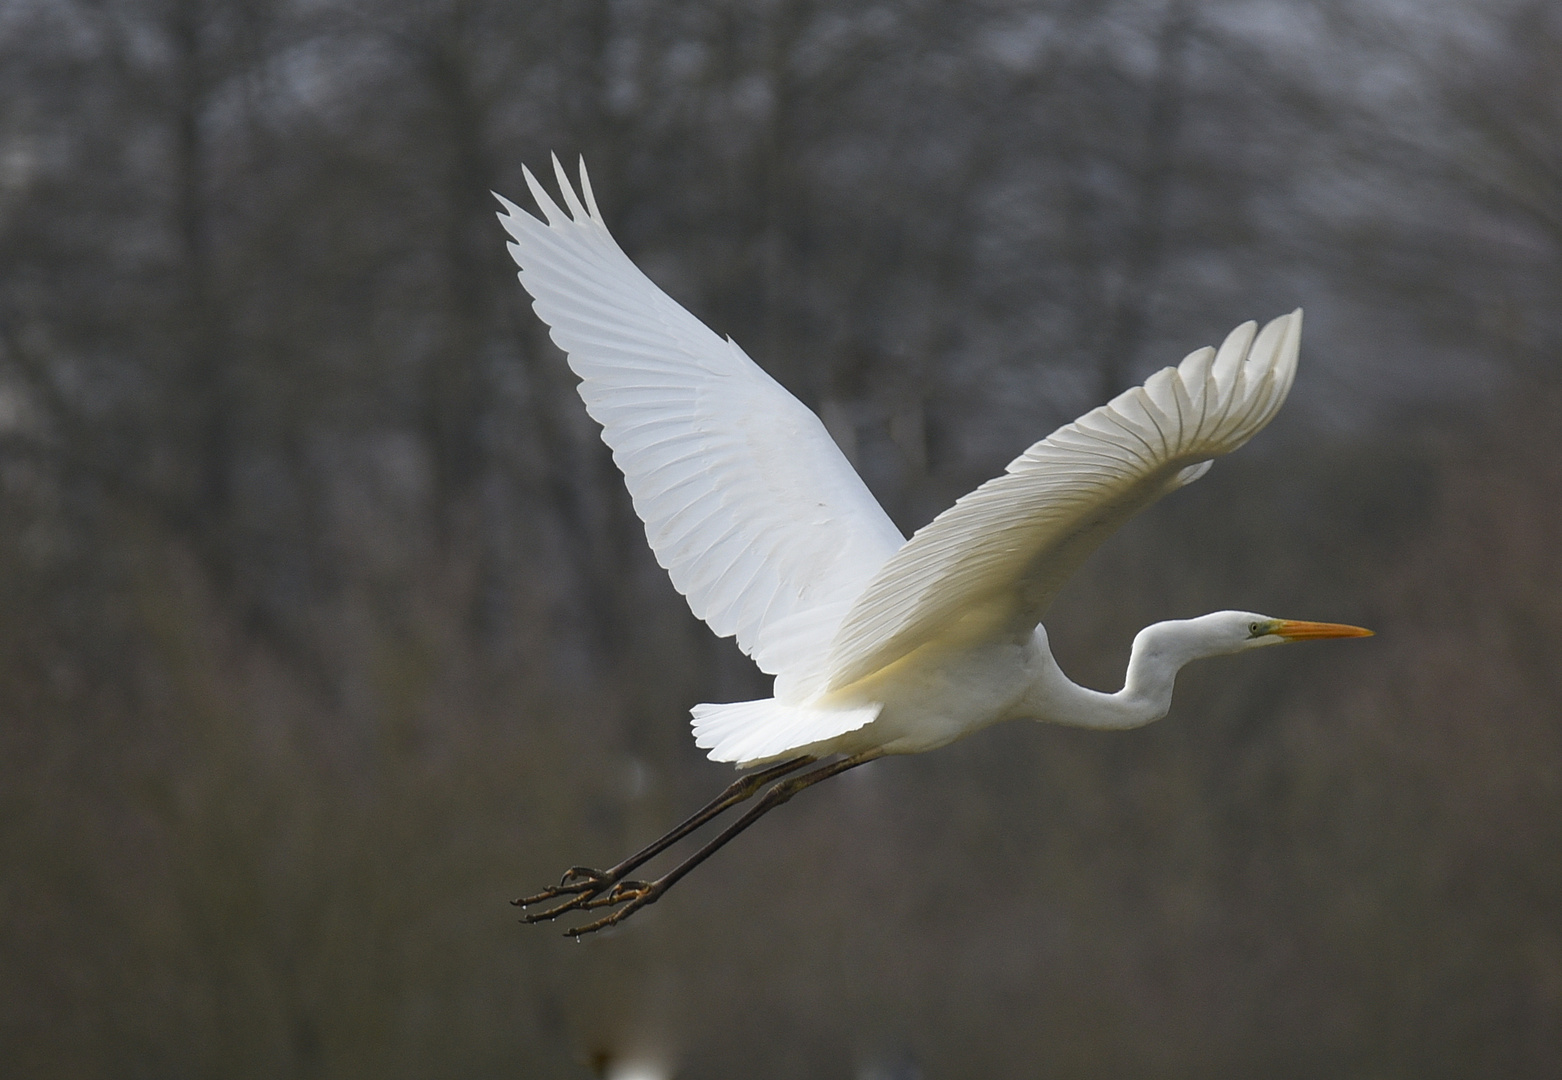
{"x":582,"y":883}
{"x":635,"y":895}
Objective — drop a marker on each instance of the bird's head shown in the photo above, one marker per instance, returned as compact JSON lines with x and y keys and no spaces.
{"x":1161,"y":649}
{"x":1238,"y":631}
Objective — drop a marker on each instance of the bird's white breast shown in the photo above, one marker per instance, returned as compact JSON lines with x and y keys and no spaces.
{"x":939,"y":695}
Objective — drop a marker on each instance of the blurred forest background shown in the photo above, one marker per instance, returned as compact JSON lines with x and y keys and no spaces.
{"x":326,"y":626}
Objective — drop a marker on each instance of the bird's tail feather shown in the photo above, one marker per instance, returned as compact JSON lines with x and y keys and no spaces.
{"x":751,"y":731}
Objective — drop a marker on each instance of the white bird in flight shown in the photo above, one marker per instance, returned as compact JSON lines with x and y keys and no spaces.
{"x":878,"y":644}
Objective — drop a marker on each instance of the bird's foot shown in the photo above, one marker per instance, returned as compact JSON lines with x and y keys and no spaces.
{"x":581,"y":884}
{"x":584,"y":888}
{"x":633,"y":895}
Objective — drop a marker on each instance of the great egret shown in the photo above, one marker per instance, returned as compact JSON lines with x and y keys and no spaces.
{"x":878,"y":644}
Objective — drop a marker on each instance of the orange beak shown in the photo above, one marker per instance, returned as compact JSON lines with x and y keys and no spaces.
{"x":1293,"y":630}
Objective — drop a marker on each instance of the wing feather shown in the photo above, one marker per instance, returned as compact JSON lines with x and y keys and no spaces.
{"x":748,"y":504}
{"x":1000,"y":554}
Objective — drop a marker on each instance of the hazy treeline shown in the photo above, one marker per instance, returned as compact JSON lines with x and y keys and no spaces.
{"x":328,"y":626}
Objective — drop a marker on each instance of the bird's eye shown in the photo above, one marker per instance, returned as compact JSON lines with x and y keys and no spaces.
{"x":1255,"y":629}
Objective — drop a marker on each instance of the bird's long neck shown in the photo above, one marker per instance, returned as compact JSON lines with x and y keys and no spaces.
{"x":1159,"y":652}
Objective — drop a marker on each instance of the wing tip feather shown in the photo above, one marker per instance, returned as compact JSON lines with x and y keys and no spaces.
{"x":577,"y":211}
{"x":589,"y":195}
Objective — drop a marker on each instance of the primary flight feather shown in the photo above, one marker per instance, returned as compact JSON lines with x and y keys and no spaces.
{"x":878,"y":644}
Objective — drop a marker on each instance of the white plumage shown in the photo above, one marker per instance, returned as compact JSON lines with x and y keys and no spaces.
{"x":1001,"y":553}
{"x":875,"y":641}
{"x":747,"y":503}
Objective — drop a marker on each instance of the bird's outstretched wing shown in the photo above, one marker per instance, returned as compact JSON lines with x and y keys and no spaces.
{"x":747,"y":502}
{"x":997,"y":557}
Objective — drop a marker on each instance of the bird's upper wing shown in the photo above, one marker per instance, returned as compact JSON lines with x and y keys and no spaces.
{"x":747,"y":502}
{"x":996,"y":559}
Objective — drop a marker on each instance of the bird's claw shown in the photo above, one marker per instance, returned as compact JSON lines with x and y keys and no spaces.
{"x":580,"y":883}
{"x":584,"y":879}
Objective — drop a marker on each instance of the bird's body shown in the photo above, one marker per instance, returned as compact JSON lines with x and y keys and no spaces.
{"x":958,"y":691}
{"x":948,"y":690}
{"x":942,"y":693}
{"x":878,"y":644}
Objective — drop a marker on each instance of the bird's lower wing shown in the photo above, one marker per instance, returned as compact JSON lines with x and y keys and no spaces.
{"x":747,"y":502}
{"x":998,"y":557}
